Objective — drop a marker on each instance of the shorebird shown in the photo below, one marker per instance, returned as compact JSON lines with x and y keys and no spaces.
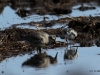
{"x":69,"y":33}
{"x":71,"y":54}
{"x":40,"y":39}
{"x":41,"y":60}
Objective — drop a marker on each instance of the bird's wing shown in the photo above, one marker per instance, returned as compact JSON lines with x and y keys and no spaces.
{"x":33,"y":38}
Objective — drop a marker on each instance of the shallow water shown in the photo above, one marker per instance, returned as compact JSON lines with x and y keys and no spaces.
{"x":8,"y":16}
{"x":7,"y":20}
{"x":76,"y":12}
{"x":87,"y":61}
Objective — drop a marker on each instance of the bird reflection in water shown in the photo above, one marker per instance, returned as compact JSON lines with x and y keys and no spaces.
{"x":71,"y":54}
{"x":40,"y":60}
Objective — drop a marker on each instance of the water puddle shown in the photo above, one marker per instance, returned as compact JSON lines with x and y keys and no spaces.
{"x":85,"y":61}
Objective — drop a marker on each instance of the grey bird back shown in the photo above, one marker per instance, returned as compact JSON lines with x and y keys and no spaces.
{"x":37,"y":38}
{"x":41,"y":37}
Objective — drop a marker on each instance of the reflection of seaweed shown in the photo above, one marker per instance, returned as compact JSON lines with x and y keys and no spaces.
{"x":71,"y":54}
{"x":41,"y":60}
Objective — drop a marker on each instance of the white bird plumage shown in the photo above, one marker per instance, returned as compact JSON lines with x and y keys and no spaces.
{"x":69,"y":34}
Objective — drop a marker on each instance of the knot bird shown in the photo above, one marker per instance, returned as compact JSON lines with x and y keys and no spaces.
{"x":40,"y":39}
{"x":69,"y":33}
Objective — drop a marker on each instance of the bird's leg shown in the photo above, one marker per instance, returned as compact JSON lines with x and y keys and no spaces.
{"x":67,"y":44}
{"x":70,"y":45}
{"x":67,"y":41}
{"x":39,"y":49}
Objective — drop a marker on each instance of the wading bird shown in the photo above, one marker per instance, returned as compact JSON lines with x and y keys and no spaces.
{"x":69,"y":33}
{"x":40,"y":39}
